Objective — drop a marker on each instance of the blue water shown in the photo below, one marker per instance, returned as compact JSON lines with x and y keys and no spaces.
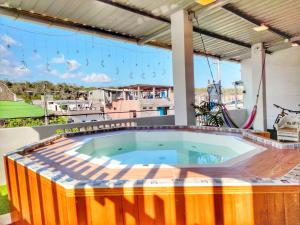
{"x":158,"y":152}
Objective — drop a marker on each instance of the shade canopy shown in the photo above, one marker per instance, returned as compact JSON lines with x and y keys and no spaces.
{"x":227,"y":26}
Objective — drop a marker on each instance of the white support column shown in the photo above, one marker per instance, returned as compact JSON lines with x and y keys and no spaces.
{"x":153,"y":92}
{"x":138,"y":92}
{"x":124,"y":95}
{"x":169,"y":92}
{"x":257,"y":55}
{"x":183,"y":68}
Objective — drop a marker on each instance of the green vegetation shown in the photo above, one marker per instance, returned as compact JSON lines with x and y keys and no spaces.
{"x":29,"y":122}
{"x":4,"y":204}
{"x":32,"y":91}
{"x":10,"y":109}
{"x":209,"y":116}
{"x":71,"y":130}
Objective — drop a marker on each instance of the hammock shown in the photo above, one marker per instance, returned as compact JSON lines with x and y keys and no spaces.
{"x":230,"y":123}
{"x":248,"y":124}
{"x":227,"y":119}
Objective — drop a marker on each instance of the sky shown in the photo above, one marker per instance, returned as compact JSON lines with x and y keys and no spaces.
{"x":34,"y":52}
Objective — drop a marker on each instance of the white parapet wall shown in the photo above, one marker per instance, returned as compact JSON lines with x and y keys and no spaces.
{"x":282,"y":82}
{"x":239,"y":116}
{"x":14,"y":138}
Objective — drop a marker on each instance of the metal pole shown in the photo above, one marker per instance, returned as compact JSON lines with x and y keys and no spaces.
{"x":235,"y":94}
{"x":45,"y":104}
{"x":218,"y":67}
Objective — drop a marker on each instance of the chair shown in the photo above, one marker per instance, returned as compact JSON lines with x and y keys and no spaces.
{"x":288,"y":128}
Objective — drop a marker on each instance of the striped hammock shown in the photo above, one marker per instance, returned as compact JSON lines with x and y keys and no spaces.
{"x":230,"y":123}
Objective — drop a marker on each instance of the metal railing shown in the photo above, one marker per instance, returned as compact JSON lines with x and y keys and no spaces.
{"x":91,"y":116}
{"x":84,"y":114}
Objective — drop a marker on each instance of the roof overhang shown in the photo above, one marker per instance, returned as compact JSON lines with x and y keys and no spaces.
{"x":226,"y":25}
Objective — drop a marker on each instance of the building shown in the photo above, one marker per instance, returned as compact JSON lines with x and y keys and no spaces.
{"x":139,"y":100}
{"x":62,"y":105}
{"x":114,"y":103}
{"x":6,"y":94}
{"x":97,"y":98}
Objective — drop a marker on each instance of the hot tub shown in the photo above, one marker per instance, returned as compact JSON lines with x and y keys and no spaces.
{"x":164,"y":148}
{"x":155,"y":175}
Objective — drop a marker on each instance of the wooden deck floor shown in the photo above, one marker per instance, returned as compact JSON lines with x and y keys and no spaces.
{"x":269,"y":163}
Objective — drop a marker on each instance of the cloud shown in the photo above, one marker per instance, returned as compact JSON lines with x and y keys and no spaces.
{"x":72,"y":65}
{"x":35,"y":56}
{"x":47,"y":70}
{"x":94,"y":77}
{"x":4,"y":51}
{"x":60,"y":59}
{"x":14,"y":70}
{"x":8,"y":41}
{"x":69,"y":75}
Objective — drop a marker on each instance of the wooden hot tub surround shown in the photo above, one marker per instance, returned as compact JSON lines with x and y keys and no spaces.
{"x":46,"y":186}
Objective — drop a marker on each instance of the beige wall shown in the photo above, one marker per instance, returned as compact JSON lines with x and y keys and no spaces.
{"x":123,"y":106}
{"x":282,"y":82}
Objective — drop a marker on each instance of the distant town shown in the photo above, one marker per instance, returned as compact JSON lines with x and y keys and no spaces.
{"x":81,"y":104}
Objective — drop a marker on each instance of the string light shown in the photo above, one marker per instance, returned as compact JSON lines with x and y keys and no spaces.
{"x":139,"y":66}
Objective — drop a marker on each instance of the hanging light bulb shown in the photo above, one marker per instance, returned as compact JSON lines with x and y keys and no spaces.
{"x":48,"y":67}
{"x":102,"y":63}
{"x":23,"y":66}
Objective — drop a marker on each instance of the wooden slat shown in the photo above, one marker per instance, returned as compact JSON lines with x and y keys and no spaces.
{"x":260,"y":209}
{"x":292,"y":206}
{"x":130,"y":209}
{"x":14,"y":191}
{"x":39,"y":201}
{"x":276,"y":211}
{"x":25,"y":199}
